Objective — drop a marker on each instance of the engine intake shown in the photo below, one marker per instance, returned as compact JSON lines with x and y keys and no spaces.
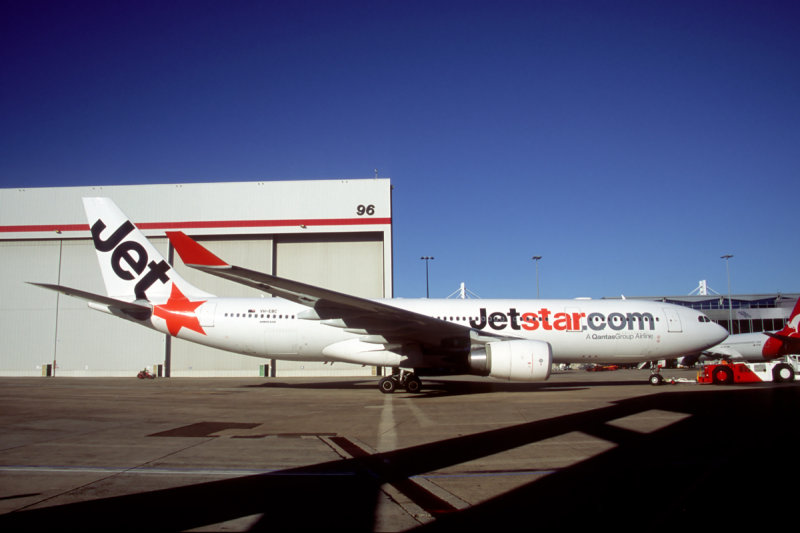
{"x":515,"y":360}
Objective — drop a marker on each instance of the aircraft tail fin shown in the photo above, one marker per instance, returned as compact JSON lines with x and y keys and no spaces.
{"x":133,"y":269}
{"x":787,"y":340}
{"x":794,"y":317}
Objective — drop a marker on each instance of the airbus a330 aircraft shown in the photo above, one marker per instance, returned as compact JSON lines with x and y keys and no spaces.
{"x":761,"y":346}
{"x":505,"y":339}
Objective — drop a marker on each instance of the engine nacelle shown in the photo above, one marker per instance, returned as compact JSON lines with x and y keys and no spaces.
{"x":514,"y":360}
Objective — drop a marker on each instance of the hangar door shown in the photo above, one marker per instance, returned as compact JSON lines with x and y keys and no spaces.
{"x":190,"y":359}
{"x":351,"y":263}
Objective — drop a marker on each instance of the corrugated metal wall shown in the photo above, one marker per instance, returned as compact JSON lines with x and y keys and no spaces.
{"x":43,"y":327}
{"x":27,"y":313}
{"x":349,"y":263}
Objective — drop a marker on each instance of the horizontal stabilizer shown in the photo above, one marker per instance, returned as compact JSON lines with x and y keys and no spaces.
{"x":192,"y":253}
{"x":132,"y":309}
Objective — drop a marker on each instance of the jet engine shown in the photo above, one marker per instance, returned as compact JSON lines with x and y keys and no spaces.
{"x":513,"y":360}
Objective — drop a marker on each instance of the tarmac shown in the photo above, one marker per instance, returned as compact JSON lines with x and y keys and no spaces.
{"x":584,"y":449}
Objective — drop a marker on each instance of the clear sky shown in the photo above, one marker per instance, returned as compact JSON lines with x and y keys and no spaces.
{"x":630,"y":144}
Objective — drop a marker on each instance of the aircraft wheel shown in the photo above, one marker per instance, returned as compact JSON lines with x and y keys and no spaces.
{"x":722,"y":376}
{"x":387,"y":385}
{"x":413,"y":384}
{"x":656,"y":379}
{"x":782,"y":372}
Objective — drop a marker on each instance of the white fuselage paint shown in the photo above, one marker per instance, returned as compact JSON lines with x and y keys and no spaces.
{"x":577,"y":330}
{"x":743,"y":346}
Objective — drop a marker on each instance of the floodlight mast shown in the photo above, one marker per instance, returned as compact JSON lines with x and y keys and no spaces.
{"x":536,"y":259}
{"x":726,"y":257}
{"x":427,"y":258}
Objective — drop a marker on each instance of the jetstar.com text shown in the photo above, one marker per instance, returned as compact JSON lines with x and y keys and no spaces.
{"x":547,"y":320}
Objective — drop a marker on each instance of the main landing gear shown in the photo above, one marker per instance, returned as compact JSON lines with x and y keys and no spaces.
{"x":403,"y":379}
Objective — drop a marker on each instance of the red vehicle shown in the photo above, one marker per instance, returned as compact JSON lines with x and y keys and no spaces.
{"x":726,"y":372}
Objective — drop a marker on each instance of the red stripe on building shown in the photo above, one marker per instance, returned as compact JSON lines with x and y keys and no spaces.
{"x":208,"y":224}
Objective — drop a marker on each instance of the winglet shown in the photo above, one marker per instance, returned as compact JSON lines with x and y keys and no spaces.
{"x":192,"y":253}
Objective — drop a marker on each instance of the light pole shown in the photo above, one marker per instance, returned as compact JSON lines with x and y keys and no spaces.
{"x":726,"y":257}
{"x":426,"y":259}
{"x":536,"y":259}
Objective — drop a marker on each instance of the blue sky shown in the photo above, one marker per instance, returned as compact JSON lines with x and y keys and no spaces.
{"x":630,"y":144}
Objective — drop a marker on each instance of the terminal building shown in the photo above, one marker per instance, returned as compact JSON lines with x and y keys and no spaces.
{"x":748,"y":312}
{"x":332,"y":233}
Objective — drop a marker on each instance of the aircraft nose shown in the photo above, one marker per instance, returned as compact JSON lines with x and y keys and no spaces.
{"x":720,"y":334}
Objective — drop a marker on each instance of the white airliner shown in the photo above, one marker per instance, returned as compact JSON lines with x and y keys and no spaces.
{"x":507,"y":339}
{"x":761,"y":346}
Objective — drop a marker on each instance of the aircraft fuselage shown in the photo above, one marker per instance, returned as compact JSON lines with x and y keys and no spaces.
{"x":578,"y":330}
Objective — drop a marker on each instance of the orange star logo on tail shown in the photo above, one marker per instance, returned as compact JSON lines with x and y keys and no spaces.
{"x":179,"y":313}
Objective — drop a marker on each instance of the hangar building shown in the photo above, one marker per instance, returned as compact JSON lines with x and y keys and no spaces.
{"x":332,"y":233}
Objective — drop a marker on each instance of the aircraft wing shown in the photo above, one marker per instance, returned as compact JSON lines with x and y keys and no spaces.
{"x":331,"y":307}
{"x":724,"y":351}
{"x":138,"y":311}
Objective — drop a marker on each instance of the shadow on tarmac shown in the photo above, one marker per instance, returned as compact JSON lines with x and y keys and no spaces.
{"x":439,"y":388}
{"x":723,"y":465}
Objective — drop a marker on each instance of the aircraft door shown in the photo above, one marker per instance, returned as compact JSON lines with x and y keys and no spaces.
{"x":673,"y":320}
